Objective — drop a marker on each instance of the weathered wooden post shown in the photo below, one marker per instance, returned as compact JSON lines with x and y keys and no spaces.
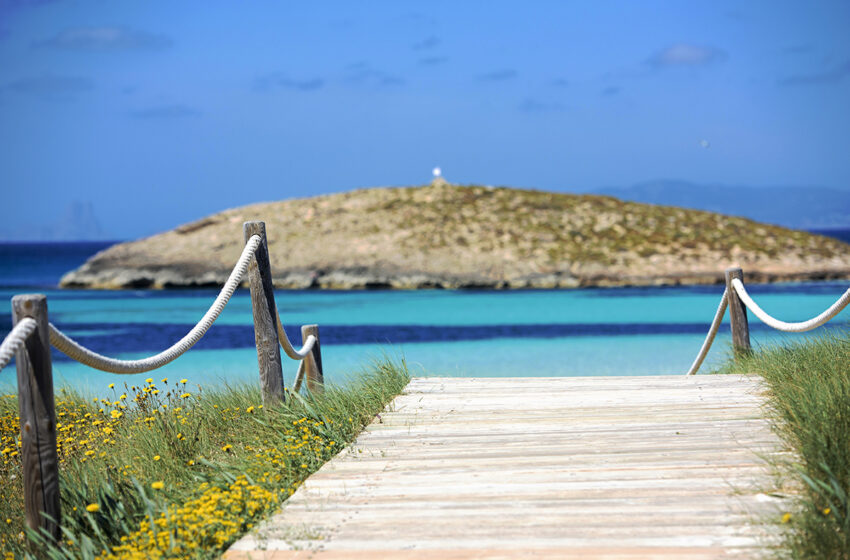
{"x":265,"y":325}
{"x":737,"y":315}
{"x":313,"y":364}
{"x":39,"y":461}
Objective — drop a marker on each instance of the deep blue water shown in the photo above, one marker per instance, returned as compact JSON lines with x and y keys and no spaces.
{"x":610,"y":331}
{"x":40,"y":265}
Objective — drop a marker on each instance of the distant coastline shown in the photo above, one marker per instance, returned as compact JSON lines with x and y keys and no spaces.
{"x":841,"y":234}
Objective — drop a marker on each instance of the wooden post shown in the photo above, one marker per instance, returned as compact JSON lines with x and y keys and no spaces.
{"x":39,"y":461}
{"x":265,"y":322}
{"x":313,"y":364}
{"x":737,"y":315}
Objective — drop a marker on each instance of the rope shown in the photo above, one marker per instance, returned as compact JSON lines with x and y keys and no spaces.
{"x":802,"y":326}
{"x":712,"y":331}
{"x":85,"y":356}
{"x":287,"y":345}
{"x":15,"y":339}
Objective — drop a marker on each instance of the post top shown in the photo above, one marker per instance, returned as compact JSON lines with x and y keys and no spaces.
{"x":254,"y":228}
{"x":734,"y":272}
{"x":28,"y":299}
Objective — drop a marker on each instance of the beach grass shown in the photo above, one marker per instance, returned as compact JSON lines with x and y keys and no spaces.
{"x":168,"y":470}
{"x":809,"y":394}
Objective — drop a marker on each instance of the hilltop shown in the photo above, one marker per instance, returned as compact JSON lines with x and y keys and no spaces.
{"x":451,"y":236}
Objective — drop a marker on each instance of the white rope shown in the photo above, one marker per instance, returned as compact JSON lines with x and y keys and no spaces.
{"x":85,"y":356}
{"x":712,"y":331}
{"x":15,"y":339}
{"x":287,"y":345}
{"x":802,"y":326}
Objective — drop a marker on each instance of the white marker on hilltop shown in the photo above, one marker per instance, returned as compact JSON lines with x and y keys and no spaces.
{"x":438,"y":180}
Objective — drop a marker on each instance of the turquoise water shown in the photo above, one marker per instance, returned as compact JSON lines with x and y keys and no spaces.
{"x":612,"y":331}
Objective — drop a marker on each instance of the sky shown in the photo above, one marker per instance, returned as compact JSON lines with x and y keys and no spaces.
{"x":158,"y":113}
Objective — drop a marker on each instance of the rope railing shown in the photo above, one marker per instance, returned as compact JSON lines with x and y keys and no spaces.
{"x":802,"y":326}
{"x":288,"y":349}
{"x":32,"y":335}
{"x":738,"y":300}
{"x":712,"y":332}
{"x":80,"y":353}
{"x":15,"y":339}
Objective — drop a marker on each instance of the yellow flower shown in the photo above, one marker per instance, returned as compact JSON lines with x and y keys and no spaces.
{"x":826,"y":511}
{"x":116,"y":414}
{"x":184,"y":381}
{"x":111,"y":385}
{"x":185,"y":395}
{"x":165,"y":380}
{"x":156,"y":457}
{"x":227,"y":447}
{"x":149,"y":380}
{"x":158,"y":485}
{"x":786,"y":517}
{"x":92,"y":508}
{"x":191,"y":462}
{"x":249,"y":410}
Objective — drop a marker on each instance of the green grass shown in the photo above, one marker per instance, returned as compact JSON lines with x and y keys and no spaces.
{"x":809,"y":393}
{"x":168,"y":471}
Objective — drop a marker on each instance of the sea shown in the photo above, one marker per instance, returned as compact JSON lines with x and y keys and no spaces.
{"x":477,"y":333}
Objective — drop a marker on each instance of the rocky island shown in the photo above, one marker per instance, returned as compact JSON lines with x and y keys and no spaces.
{"x":451,"y":236}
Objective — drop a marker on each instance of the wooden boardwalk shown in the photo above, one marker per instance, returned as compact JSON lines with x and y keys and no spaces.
{"x":582,"y":467}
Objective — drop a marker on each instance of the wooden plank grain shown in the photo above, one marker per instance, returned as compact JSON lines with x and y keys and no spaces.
{"x":658,"y":467}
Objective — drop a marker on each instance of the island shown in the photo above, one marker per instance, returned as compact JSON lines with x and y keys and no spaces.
{"x":451,"y":236}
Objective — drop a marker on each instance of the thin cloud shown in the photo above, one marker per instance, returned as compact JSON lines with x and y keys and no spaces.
{"x":280,"y":80}
{"x":611,"y":90}
{"x":102,"y":39}
{"x":427,"y":43}
{"x":559,"y":82}
{"x":362,"y":73}
{"x":684,"y":54}
{"x":530,"y":105}
{"x":433,"y":60}
{"x":51,"y":85}
{"x":828,"y":77}
{"x":498,"y":75}
{"x":164,"y":112}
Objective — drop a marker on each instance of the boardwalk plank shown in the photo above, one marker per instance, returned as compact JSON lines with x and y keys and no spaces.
{"x":614,"y":468}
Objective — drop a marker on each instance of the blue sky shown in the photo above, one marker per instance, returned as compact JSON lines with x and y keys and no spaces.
{"x":161,"y":112}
